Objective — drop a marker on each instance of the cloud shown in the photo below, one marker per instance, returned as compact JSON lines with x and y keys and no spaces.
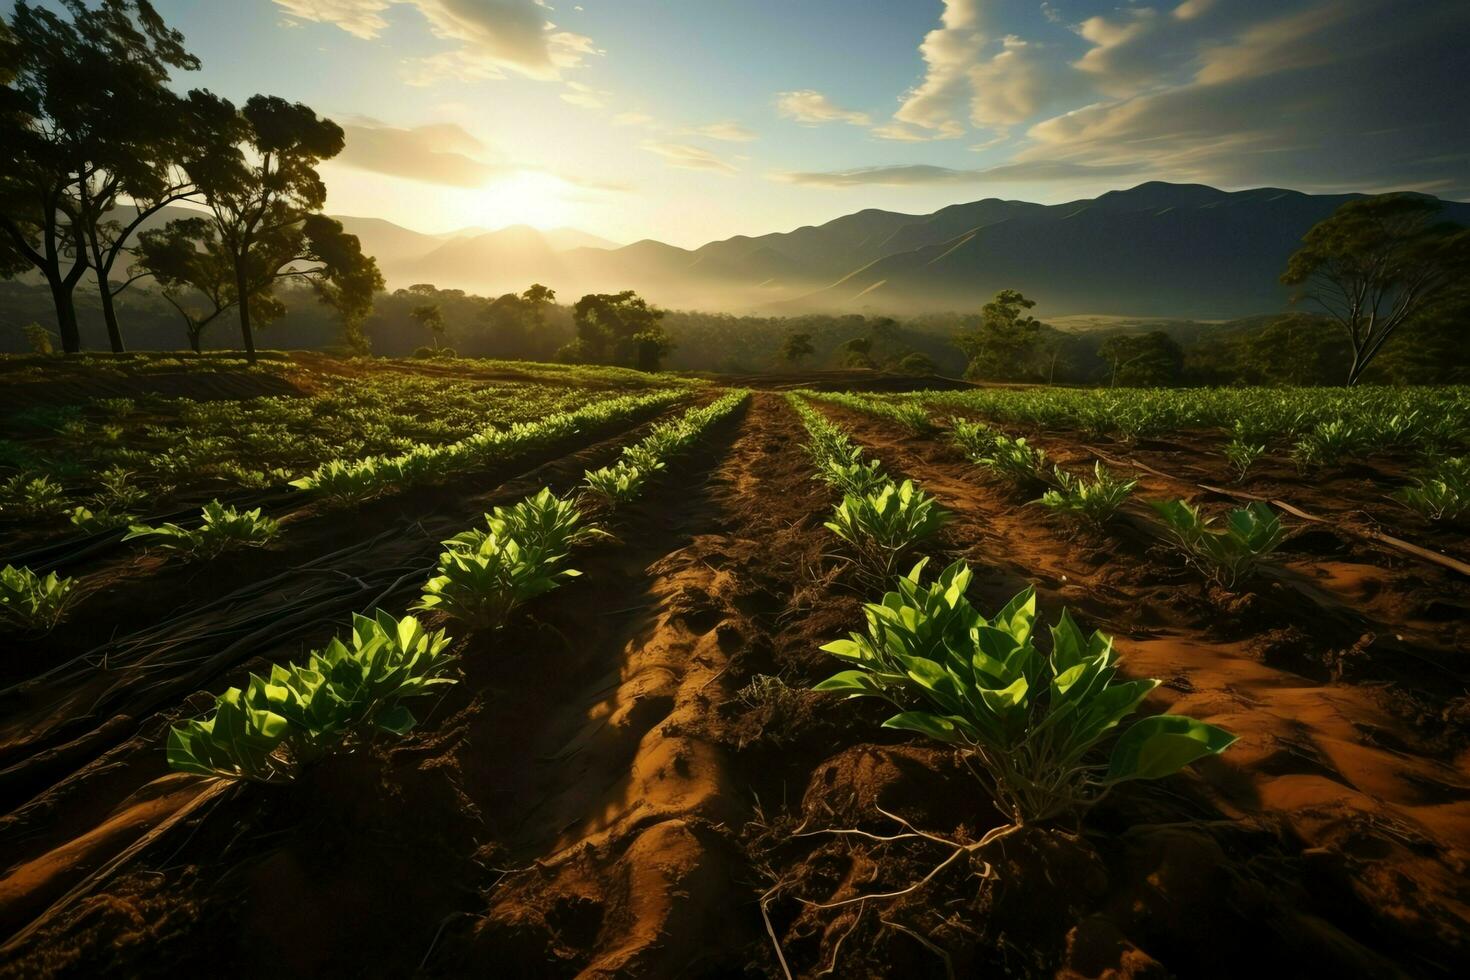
{"x":949,"y":52}
{"x":585,"y":96}
{"x":811,"y":106}
{"x":491,"y":36}
{"x":728,"y":131}
{"x":632,"y":119}
{"x":687,"y":157}
{"x":909,"y":175}
{"x":1347,"y":96}
{"x":442,"y":153}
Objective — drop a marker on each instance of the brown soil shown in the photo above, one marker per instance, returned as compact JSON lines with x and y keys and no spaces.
{"x":634,"y":779}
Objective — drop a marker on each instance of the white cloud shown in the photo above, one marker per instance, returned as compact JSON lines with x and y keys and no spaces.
{"x":729,"y":132}
{"x":632,"y":119}
{"x":811,"y":106}
{"x":914,"y":174}
{"x":940,"y":100}
{"x":491,"y":36}
{"x":442,"y":153}
{"x":687,"y":157}
{"x":585,"y":96}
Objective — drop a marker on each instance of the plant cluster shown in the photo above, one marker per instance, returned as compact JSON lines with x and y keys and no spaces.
{"x":267,"y":731}
{"x":881,"y":521}
{"x":221,"y":529}
{"x":1030,"y":725}
{"x":1093,"y":501}
{"x":33,"y":602}
{"x":1227,"y":555}
{"x":908,"y":413}
{"x":1441,"y":493}
{"x":623,"y":481}
{"x":352,"y":481}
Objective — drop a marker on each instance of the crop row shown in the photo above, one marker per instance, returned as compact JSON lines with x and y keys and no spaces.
{"x":1032,"y":723}
{"x":36,"y":602}
{"x":114,"y":452}
{"x":1319,"y":426}
{"x":356,"y":686}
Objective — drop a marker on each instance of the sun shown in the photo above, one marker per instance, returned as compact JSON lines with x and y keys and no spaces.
{"x":525,"y":197}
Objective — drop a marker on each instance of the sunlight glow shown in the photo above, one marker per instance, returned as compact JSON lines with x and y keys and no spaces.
{"x":525,"y":197}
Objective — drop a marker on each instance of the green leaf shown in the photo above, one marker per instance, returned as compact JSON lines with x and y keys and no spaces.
{"x":857,"y":682}
{"x":397,"y":719}
{"x":935,"y":726}
{"x":1159,"y":746}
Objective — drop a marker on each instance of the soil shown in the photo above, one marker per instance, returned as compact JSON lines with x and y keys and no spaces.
{"x":635,"y":779}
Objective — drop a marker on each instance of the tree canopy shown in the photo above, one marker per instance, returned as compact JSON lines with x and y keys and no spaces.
{"x":619,"y":329}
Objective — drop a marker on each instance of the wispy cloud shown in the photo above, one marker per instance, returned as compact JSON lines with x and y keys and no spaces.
{"x":727,"y":131}
{"x":441,"y":153}
{"x":490,"y":36}
{"x":687,"y":157}
{"x":811,"y":106}
{"x":906,"y":175}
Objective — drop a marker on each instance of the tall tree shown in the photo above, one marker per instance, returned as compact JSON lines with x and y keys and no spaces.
{"x":1001,"y":348}
{"x":797,"y":346}
{"x":84,"y":111}
{"x":1143,"y":360}
{"x":618,"y":328}
{"x":431,"y":318}
{"x":1378,"y":263}
{"x":265,"y":203}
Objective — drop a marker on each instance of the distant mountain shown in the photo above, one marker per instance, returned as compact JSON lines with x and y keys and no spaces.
{"x":1155,"y":250}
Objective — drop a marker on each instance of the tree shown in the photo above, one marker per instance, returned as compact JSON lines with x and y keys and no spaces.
{"x":618,"y":328}
{"x":798,"y":345}
{"x":1001,"y":347}
{"x":185,"y":259}
{"x":917,"y":363}
{"x":264,"y":205}
{"x":859,"y":352}
{"x":430,"y":318}
{"x":516,"y":324}
{"x":1378,"y":263}
{"x":1143,"y":360}
{"x":84,"y":116}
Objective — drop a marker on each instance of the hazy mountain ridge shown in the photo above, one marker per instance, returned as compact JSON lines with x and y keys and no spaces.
{"x":1158,"y":249}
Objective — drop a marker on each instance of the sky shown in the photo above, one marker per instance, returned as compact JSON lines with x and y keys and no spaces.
{"x":692,"y":120}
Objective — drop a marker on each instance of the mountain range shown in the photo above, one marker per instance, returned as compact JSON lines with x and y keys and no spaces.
{"x":1158,"y":249}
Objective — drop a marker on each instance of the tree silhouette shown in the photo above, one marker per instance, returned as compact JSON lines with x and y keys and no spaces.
{"x":84,"y":115}
{"x":1378,"y":263}
{"x":431,"y":319}
{"x":618,"y":328}
{"x":185,"y":258}
{"x":1000,"y":348}
{"x":264,"y":203}
{"x":797,"y":346}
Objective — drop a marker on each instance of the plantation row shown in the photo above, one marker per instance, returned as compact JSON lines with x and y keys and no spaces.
{"x":1029,"y":721}
{"x":1227,"y":554}
{"x":94,"y":463}
{"x":32,"y":601}
{"x":357,"y":684}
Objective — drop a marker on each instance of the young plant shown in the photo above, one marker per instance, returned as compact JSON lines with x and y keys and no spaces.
{"x":544,"y":524}
{"x":884,"y":526}
{"x":975,"y":439}
{"x":1327,"y":443}
{"x":1228,"y":554}
{"x":29,"y":496}
{"x":483,"y":584}
{"x":268,"y":731}
{"x":1242,"y":454}
{"x":1092,"y":501}
{"x":618,"y":484}
{"x":32,"y":602}
{"x":852,"y":475}
{"x":1441,"y":494}
{"x":1024,"y":465}
{"x":118,"y":492}
{"x":1032,"y":724}
{"x":223,"y":528}
{"x":96,"y":522}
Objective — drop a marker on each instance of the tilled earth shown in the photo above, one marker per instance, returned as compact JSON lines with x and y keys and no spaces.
{"x":634,"y":779}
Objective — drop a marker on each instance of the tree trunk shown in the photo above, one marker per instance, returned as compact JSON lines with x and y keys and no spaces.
{"x":244,"y":298}
{"x":109,"y":315}
{"x":66,"y":314}
{"x":194,"y":339}
{"x":1356,"y":369}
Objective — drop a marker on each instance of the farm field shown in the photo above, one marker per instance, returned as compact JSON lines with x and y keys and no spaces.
{"x":504,"y":668}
